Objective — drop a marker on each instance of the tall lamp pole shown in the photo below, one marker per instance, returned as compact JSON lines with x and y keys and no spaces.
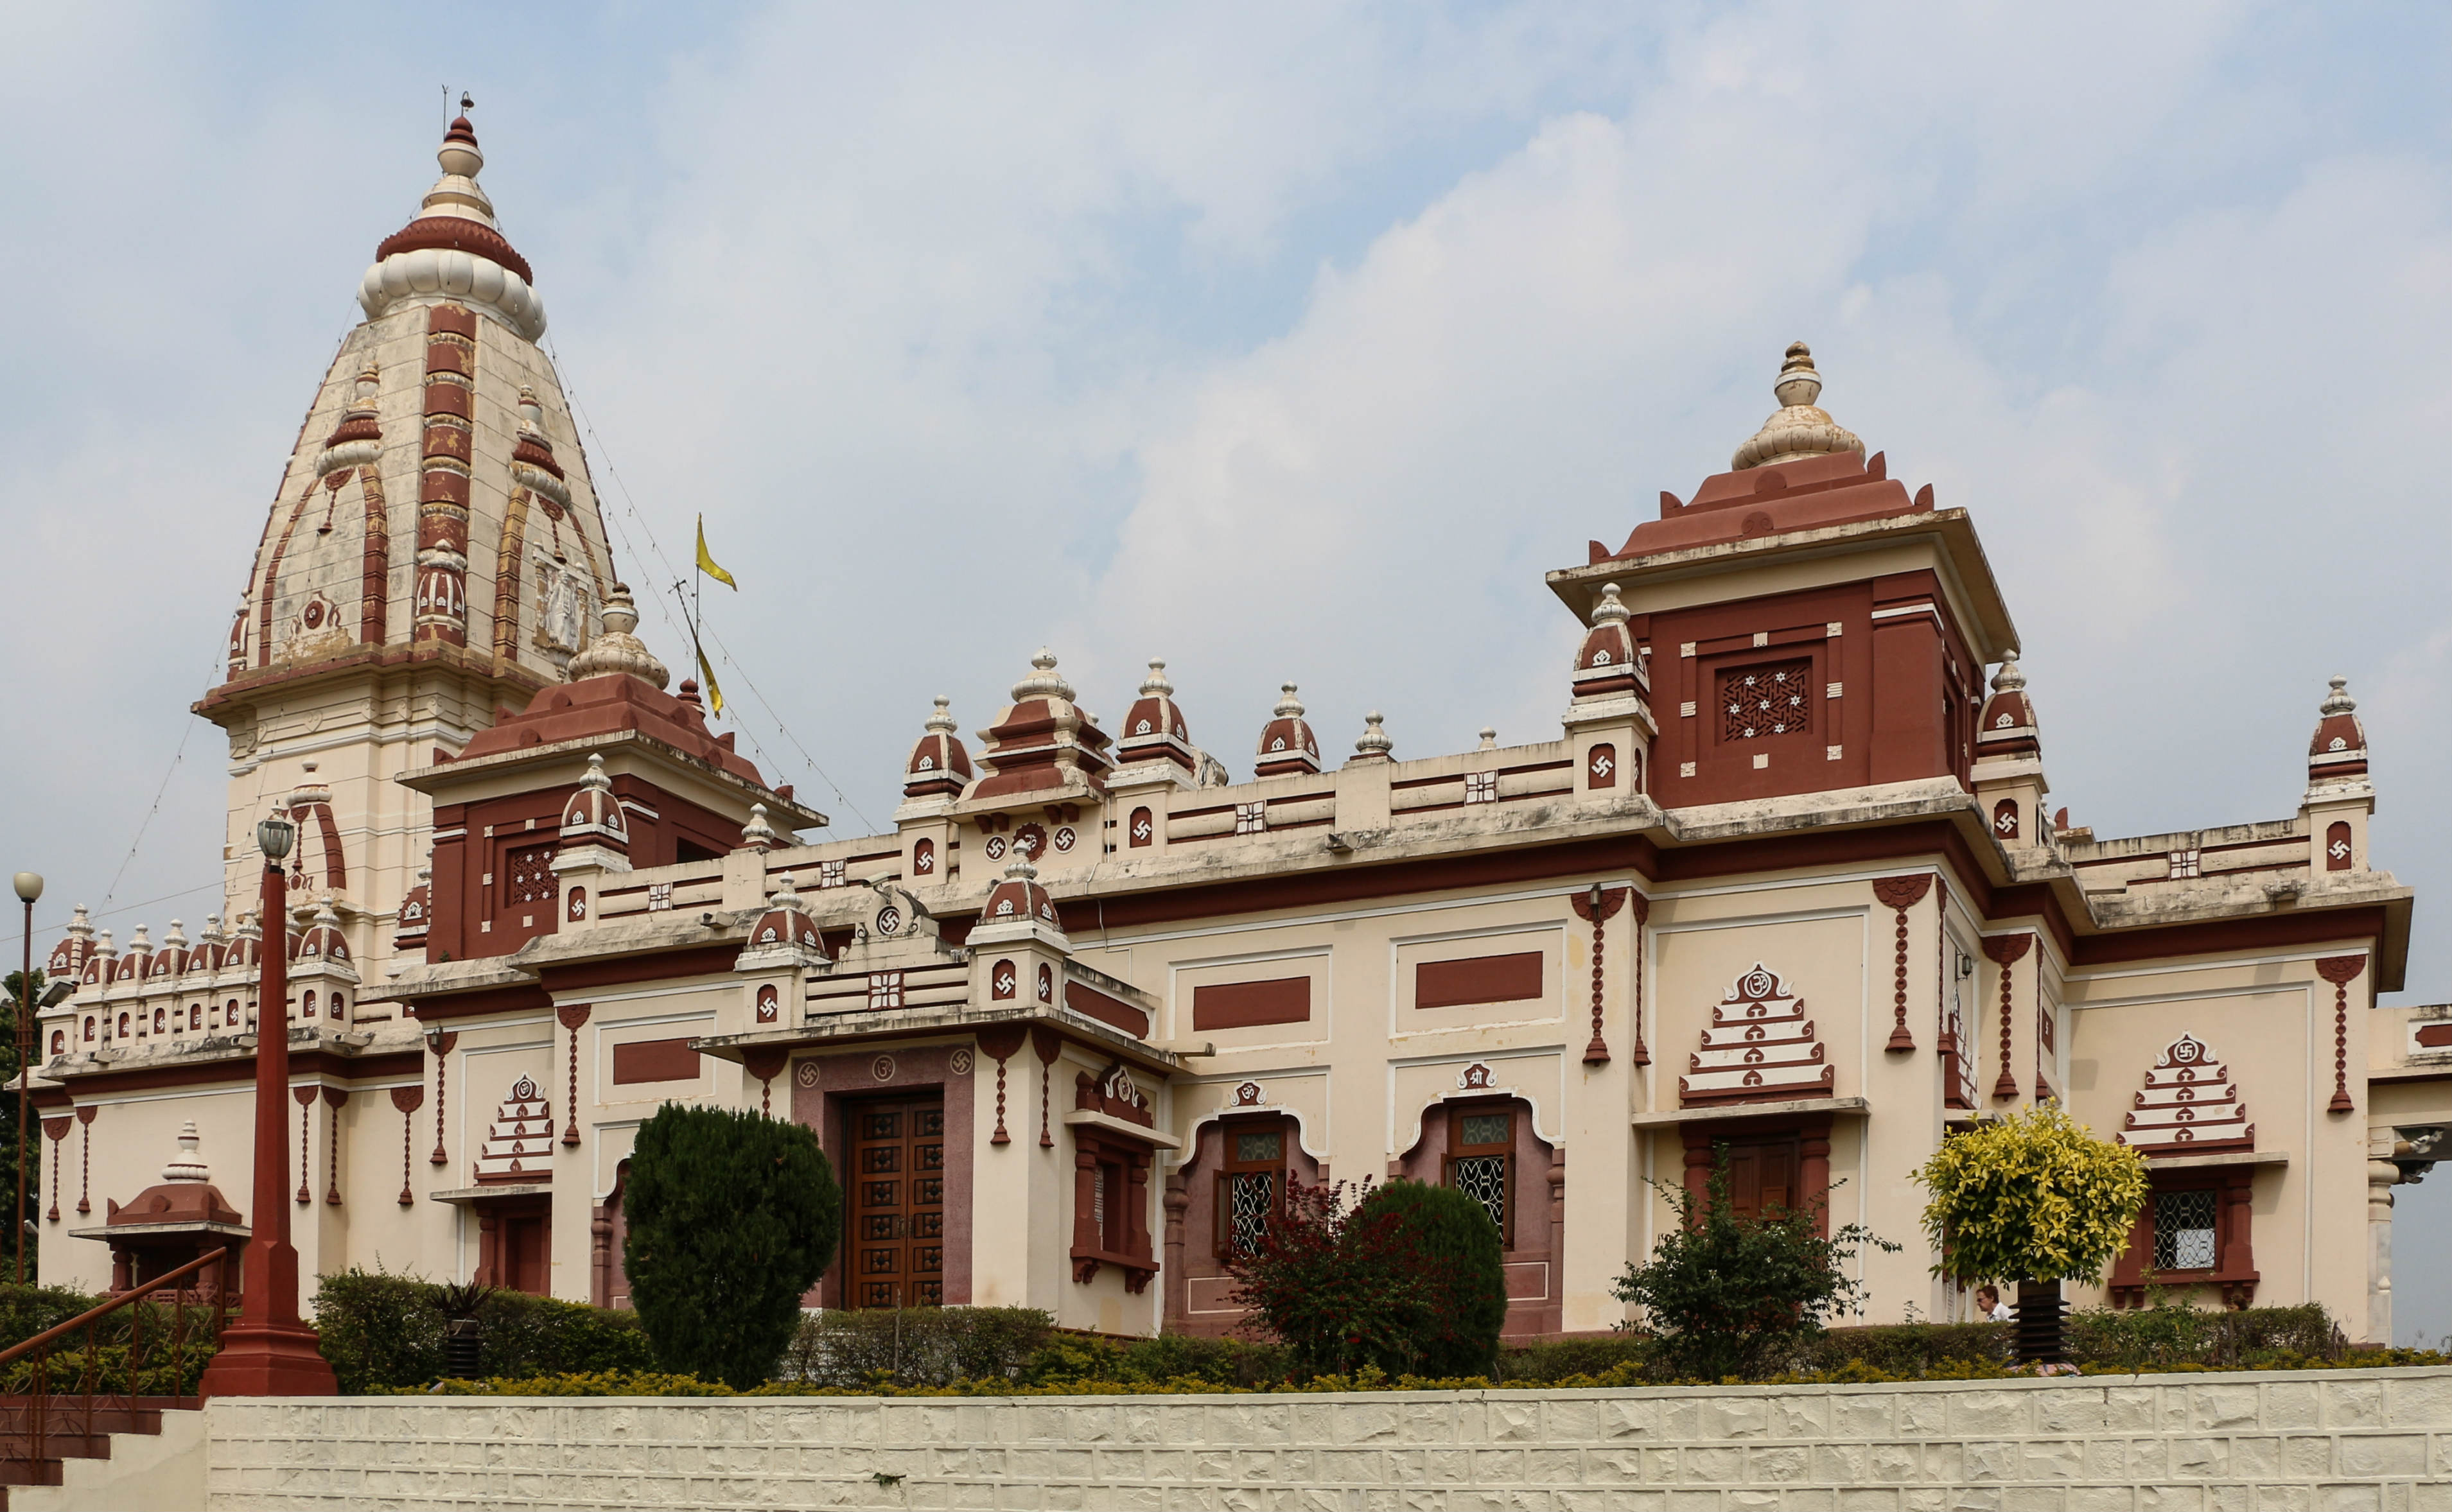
{"x":30,"y":887}
{"x":270,"y":1351}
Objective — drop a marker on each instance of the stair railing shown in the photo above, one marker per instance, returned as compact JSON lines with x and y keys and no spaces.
{"x":28,"y":1419}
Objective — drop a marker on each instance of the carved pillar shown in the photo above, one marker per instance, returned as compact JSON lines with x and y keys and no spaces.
{"x":2381,"y":1175}
{"x":1177,"y":1202}
{"x":600,"y":1256}
{"x":2340,"y":970}
{"x":1048,"y":1045}
{"x":1813,"y":1173}
{"x":304,"y":1097}
{"x":1597,"y":908}
{"x":764,"y":1063}
{"x":442,"y":1044}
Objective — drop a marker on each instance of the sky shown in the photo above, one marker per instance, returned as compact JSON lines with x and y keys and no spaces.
{"x":1285,"y":343}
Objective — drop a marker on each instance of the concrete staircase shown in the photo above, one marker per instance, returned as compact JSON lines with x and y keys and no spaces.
{"x":109,"y":1458}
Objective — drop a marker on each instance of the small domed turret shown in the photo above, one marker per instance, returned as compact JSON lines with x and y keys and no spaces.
{"x":2340,"y":748}
{"x":1155,"y":729}
{"x":1287,"y":743}
{"x":939,"y":763}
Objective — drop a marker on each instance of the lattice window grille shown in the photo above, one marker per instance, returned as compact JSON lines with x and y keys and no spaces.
{"x":2183,"y":1230}
{"x":1484,"y":1178}
{"x":1251,"y":818}
{"x":1481,"y":787}
{"x":1758,"y":703}
{"x":531,"y":878}
{"x":1251,"y":1197}
{"x":886,"y":988}
{"x":660,"y":896}
{"x":2185,"y":863}
{"x":830,"y":874}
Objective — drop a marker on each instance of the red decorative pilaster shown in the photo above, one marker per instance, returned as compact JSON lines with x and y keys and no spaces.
{"x":2340,"y":970}
{"x":765,"y":1062}
{"x":1900,"y":894}
{"x":409,"y":1100}
{"x":1048,"y":1045}
{"x":374,"y":579}
{"x":1597,"y":908}
{"x":442,"y":1044}
{"x":335,"y":1098}
{"x":443,"y":495}
{"x":304,"y":1097}
{"x":573,"y":1017}
{"x":85,"y":1176}
{"x":2006,"y":950}
{"x":1000,"y":1042}
{"x":56,"y":1130}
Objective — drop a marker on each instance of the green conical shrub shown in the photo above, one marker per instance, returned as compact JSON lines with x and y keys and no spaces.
{"x":1464,"y":1301}
{"x":732,"y":1218}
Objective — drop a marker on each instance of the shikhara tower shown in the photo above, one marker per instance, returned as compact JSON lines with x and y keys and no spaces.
{"x":434,"y":554}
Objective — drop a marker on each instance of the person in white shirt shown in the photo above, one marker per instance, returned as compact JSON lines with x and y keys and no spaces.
{"x":1989,"y":1306}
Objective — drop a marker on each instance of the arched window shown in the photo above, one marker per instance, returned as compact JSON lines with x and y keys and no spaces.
{"x":338,"y":1003}
{"x":2337,"y":847}
{"x":89,"y":1029}
{"x":307,"y":1005}
{"x":1142,"y":828}
{"x":195,"y":1015}
{"x":923,"y":858}
{"x":59,"y":1040}
{"x":122,"y":1025}
{"x":229,"y":1015}
{"x":161,"y":1021}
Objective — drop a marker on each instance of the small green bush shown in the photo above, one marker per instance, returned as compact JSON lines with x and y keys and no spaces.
{"x":2172,"y":1333}
{"x":913,"y":1347}
{"x":26,"y":1311}
{"x":382,"y":1330}
{"x":732,"y":1217}
{"x":1732,"y":1296}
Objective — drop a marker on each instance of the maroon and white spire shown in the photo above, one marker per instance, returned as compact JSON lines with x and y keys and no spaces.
{"x":1155,"y":729}
{"x":1287,"y":743}
{"x":2339,"y":751}
{"x":454,"y":250}
{"x":939,"y":763}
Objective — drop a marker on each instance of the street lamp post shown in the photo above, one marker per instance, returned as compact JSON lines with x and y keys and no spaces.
{"x":30,"y":887}
{"x":270,"y":1351}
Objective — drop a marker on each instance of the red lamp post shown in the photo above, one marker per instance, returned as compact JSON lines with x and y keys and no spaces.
{"x":270,"y":1351}
{"x":30,"y":887}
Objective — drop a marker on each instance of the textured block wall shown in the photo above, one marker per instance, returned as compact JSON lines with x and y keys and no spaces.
{"x":2330,"y":1442}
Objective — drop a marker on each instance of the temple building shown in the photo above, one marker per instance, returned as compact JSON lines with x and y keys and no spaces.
{"x":1786,"y":882}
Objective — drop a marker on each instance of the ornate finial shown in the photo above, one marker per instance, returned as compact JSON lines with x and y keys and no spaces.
{"x":1155,"y":685}
{"x":1611,"y":609}
{"x":2339,"y":700}
{"x":1490,"y":738}
{"x":187,"y":1164}
{"x":1019,"y":868}
{"x":1374,"y":741}
{"x":369,"y":379}
{"x":531,"y":409}
{"x":758,"y":835}
{"x":1289,"y":707}
{"x":688,"y":693}
{"x":176,"y":939}
{"x":616,"y":648}
{"x":785,"y":895}
{"x":595,"y":780}
{"x":2010,"y":678}
{"x":1798,"y":429}
{"x":1043,"y":682}
{"x":941,"y":722}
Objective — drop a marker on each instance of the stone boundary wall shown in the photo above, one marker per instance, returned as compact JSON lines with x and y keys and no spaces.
{"x":2364,"y":1440}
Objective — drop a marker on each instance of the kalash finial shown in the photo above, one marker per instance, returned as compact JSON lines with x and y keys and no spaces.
{"x":1799,"y":429}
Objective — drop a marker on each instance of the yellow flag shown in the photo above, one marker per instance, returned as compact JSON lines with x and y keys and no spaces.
{"x":714,"y":694}
{"x":706,"y":564}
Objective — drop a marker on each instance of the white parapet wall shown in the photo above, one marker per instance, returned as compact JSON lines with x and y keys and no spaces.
{"x":2350,"y":1441}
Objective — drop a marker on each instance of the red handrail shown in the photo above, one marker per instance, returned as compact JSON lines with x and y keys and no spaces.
{"x":37,"y":1404}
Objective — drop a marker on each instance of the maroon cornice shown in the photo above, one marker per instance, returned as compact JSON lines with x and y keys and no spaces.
{"x":240,"y":1069}
{"x":454,"y":233}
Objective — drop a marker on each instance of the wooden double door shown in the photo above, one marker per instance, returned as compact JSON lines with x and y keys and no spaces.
{"x":896,"y":1253}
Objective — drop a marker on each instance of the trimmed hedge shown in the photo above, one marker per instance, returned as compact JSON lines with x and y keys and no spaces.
{"x":382,"y":1330}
